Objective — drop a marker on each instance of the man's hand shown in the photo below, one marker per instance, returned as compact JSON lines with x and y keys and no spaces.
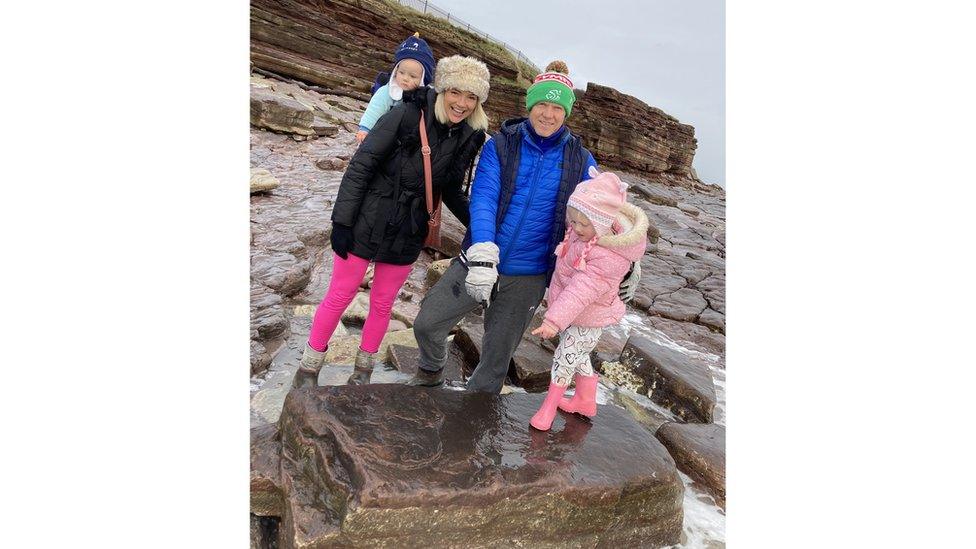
{"x":629,"y":284}
{"x":360,"y":135}
{"x":481,"y":278}
{"x":545,"y":331}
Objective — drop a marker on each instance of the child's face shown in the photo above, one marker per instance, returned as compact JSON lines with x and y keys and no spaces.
{"x":580,"y":224}
{"x":409,"y":73}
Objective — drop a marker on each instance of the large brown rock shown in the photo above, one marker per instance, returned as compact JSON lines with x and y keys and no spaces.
{"x":399,"y":466}
{"x":452,"y":234}
{"x":280,"y":113}
{"x":280,"y":271}
{"x":267,"y":493}
{"x":673,"y":380}
{"x":469,"y":340}
{"x":260,"y":357}
{"x":262,"y":181}
{"x":532,"y":365}
{"x":267,"y":314}
{"x":699,"y":451}
{"x":406,"y":359}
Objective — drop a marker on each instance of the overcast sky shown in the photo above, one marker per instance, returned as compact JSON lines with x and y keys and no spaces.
{"x":668,"y":53}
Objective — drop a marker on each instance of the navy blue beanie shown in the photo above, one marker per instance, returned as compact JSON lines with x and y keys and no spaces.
{"x":417,"y":49}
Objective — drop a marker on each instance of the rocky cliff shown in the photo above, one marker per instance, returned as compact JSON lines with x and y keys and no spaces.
{"x":340,"y":45}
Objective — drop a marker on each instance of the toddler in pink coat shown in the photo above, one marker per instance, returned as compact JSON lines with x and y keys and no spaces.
{"x":604,"y":235}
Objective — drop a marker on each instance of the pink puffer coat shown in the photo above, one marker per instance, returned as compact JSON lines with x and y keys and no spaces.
{"x":588,"y":297}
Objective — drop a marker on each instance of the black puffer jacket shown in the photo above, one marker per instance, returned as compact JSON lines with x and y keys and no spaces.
{"x":382,"y":192}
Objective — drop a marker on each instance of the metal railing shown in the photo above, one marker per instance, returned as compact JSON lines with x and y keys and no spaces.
{"x":424,"y":6}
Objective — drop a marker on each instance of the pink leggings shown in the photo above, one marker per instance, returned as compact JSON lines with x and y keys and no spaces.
{"x":347,"y":274}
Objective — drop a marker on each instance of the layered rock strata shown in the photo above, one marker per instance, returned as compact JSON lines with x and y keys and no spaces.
{"x":341,"y":45}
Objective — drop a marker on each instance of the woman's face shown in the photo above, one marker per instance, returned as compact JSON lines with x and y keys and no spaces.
{"x":546,"y":118}
{"x":408,"y":74}
{"x":580,"y":224}
{"x":459,"y":104}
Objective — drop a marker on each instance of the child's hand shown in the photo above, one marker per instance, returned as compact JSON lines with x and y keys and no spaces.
{"x":360,"y":135}
{"x":545,"y":331}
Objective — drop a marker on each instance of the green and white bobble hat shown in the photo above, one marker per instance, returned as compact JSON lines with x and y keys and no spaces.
{"x":553,"y":86}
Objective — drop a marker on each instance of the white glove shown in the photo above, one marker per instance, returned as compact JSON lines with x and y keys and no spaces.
{"x":628,"y":286}
{"x":481,"y":280}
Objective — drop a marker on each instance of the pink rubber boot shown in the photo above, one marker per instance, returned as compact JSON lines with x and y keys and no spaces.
{"x":542,"y":420}
{"x":584,"y":400}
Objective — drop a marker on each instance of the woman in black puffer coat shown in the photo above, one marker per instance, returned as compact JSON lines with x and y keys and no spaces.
{"x":380,"y":214}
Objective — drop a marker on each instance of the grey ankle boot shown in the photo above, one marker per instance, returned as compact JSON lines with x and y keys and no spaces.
{"x":362,"y":370}
{"x":308,"y":371}
{"x":423,"y":378}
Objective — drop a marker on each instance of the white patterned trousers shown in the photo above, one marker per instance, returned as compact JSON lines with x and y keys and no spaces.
{"x":572,"y":356}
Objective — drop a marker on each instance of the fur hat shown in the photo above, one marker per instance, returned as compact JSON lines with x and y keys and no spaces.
{"x":463,"y":73}
{"x":599,"y":199}
{"x":553,"y":86}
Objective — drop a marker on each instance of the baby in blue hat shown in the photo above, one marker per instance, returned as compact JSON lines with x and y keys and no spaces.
{"x":413,"y":66}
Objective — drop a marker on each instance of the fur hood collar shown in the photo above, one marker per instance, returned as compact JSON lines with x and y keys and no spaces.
{"x":631,"y":239}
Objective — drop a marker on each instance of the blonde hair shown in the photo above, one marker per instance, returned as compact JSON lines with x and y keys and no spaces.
{"x":478,"y":120}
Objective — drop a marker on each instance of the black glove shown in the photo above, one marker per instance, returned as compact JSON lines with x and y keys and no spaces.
{"x":341,"y":240}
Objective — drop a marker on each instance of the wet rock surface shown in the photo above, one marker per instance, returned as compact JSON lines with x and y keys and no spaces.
{"x":407,"y":359}
{"x":267,"y":493}
{"x":699,"y":451}
{"x":671,"y":379}
{"x":397,"y":466}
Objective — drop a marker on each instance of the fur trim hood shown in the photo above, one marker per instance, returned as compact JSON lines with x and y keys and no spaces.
{"x":630,"y":239}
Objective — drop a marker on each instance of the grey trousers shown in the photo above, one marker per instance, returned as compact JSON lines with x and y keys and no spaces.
{"x":505,"y":322}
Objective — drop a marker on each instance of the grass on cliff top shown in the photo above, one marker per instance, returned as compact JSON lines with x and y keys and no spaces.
{"x":432,"y":25}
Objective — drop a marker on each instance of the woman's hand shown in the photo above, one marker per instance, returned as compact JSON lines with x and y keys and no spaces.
{"x":360,"y":135}
{"x":341,"y":240}
{"x":546,"y":331}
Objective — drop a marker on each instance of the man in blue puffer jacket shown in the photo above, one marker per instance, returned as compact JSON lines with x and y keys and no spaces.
{"x":518,"y":215}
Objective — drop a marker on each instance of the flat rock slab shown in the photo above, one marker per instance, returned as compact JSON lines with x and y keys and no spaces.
{"x":406,"y":360}
{"x":672,"y":379}
{"x":280,"y":113}
{"x":399,"y":466}
{"x":262,"y":180}
{"x":699,"y":451}
{"x":343,"y":350}
{"x":532,"y":366}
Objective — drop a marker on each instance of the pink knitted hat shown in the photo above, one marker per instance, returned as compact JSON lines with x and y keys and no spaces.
{"x":599,"y":199}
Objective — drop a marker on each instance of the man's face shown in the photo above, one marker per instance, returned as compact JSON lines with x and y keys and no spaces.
{"x":408,"y":74}
{"x":546,"y":118}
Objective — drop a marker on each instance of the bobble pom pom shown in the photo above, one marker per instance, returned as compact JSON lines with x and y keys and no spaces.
{"x":558,"y":66}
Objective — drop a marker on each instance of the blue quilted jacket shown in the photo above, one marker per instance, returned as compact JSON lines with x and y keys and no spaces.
{"x":522,"y":208}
